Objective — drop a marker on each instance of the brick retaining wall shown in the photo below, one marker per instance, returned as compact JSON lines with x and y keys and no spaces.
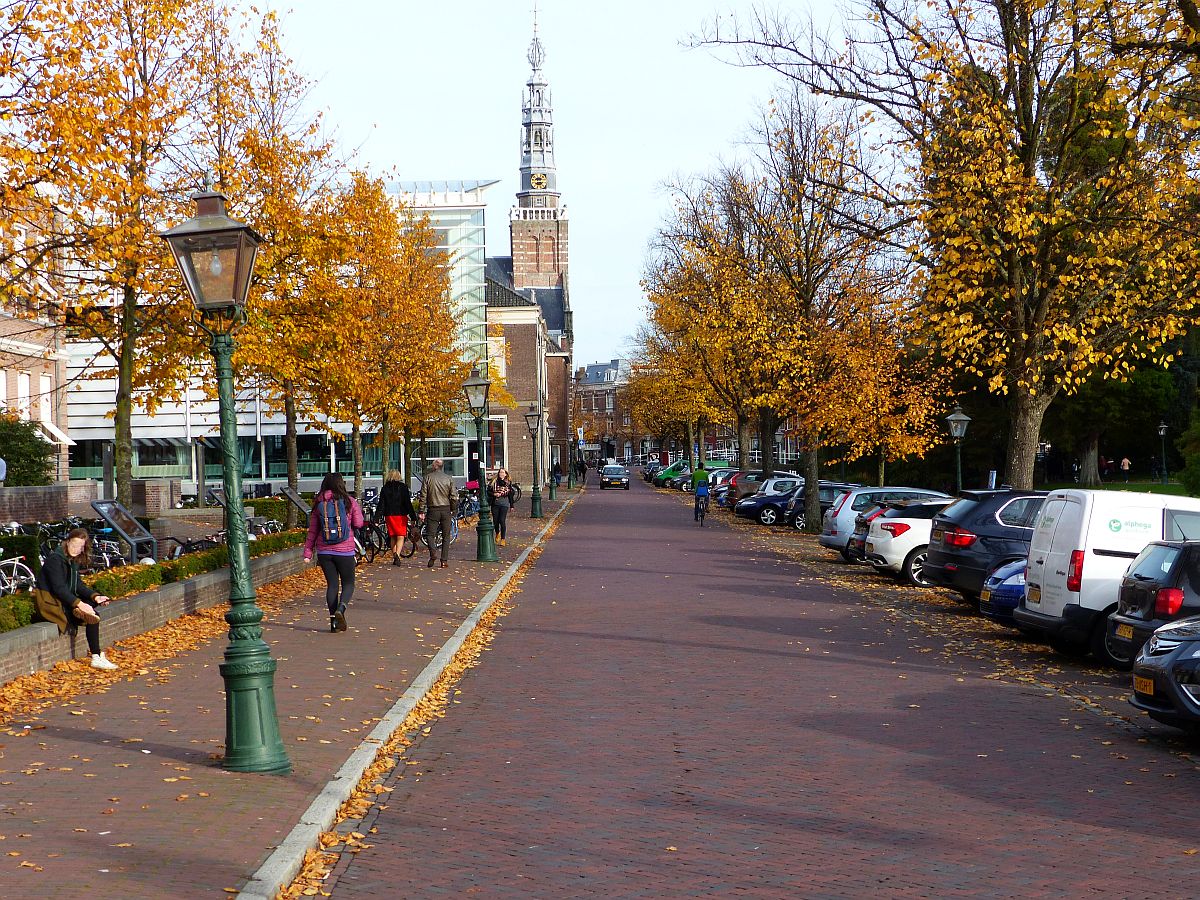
{"x":42,"y":503}
{"x":39,"y":646}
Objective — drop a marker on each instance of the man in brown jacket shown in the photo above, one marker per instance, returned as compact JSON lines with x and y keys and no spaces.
{"x":437,"y":502}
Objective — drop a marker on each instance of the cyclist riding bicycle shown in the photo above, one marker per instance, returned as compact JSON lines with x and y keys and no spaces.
{"x":700,"y":487}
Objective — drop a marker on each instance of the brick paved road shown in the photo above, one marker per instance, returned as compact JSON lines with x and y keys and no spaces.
{"x":669,"y":712}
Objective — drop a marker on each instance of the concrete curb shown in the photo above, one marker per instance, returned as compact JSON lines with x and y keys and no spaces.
{"x":281,"y":867}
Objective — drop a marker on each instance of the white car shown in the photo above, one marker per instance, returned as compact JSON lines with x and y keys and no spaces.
{"x":899,"y":538}
{"x":837,"y":525}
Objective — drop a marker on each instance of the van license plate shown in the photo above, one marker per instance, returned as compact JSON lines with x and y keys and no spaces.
{"x":1125,"y":631}
{"x":1033,"y":594}
{"x":1143,"y":685}
{"x":985,"y":595}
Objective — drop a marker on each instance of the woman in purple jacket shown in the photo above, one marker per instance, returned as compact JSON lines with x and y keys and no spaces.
{"x":335,"y":515}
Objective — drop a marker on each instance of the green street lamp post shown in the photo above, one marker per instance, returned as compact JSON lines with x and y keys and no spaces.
{"x":550,"y":483}
{"x":216,"y":255}
{"x":958,"y":422}
{"x":533,"y":420}
{"x":476,"y":388}
{"x":571,"y":451}
{"x":1162,"y":436}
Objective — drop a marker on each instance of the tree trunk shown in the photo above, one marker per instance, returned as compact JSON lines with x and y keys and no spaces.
{"x":1026,"y":411}
{"x":881,"y":468}
{"x":767,"y":422}
{"x":691,"y":439}
{"x":812,"y":492}
{"x":123,"y":413}
{"x":743,"y":433}
{"x":291,"y":449}
{"x":385,"y":450}
{"x":701,"y":450}
{"x":356,"y":448}
{"x":1089,"y":462}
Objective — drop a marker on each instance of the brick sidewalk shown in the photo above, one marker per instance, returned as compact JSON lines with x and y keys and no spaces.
{"x":119,"y":794}
{"x":672,"y":711}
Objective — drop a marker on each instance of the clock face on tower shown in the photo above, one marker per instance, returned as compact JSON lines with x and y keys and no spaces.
{"x":537,"y":181}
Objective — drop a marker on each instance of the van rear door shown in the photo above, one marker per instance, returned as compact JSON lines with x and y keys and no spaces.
{"x":1057,"y":535}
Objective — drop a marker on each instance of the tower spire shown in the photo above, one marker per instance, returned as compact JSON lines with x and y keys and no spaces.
{"x":537,"y":53}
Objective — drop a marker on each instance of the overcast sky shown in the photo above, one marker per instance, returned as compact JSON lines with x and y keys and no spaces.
{"x":433,"y":91}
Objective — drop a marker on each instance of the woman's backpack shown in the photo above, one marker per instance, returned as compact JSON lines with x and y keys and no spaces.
{"x":335,"y":520}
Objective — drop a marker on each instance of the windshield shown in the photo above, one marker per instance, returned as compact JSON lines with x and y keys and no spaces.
{"x":613,"y":470}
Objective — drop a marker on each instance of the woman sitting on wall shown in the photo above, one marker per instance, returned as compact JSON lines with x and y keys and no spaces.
{"x":63,"y":598}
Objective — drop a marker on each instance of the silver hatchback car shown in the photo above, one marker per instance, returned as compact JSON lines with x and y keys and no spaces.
{"x":838,"y":523}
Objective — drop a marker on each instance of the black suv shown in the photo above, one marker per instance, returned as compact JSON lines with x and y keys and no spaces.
{"x":978,"y":532}
{"x":1160,"y":586}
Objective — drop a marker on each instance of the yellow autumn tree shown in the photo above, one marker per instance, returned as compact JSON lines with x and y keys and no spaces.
{"x":1045,"y":182}
{"x":391,"y":353}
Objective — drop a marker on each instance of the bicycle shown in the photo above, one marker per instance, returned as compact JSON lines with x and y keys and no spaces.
{"x":373,"y":538}
{"x":701,"y":508}
{"x":15,"y":576}
{"x":192,"y":545}
{"x":468,"y":503}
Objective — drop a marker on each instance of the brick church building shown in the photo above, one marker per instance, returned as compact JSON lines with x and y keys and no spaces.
{"x":528,"y":297}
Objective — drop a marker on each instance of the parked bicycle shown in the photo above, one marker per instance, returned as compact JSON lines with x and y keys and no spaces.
{"x":373,"y":539}
{"x":468,"y":503}
{"x":182,"y":547}
{"x":15,"y":575}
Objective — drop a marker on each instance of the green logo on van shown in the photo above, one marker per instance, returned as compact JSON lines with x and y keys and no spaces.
{"x":1114,"y":525}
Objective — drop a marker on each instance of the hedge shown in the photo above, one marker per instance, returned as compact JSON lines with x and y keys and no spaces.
{"x":16,"y":610}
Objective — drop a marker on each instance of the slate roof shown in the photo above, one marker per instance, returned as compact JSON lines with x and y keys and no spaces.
{"x":551,"y":300}
{"x":500,"y":295}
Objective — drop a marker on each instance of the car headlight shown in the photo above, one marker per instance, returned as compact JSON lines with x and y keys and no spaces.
{"x":1017,"y":580}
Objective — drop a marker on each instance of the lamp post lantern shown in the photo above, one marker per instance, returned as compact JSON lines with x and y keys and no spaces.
{"x":958,"y":422}
{"x":533,"y":420}
{"x":476,"y":388}
{"x":215,"y":255}
{"x":1162,"y":435}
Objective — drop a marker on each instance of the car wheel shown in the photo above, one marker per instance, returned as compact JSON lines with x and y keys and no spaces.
{"x":626,"y":487}
{"x":913,"y":566}
{"x":798,"y":523}
{"x":1111,"y":655}
{"x":768,"y":515}
{"x":846,"y":557}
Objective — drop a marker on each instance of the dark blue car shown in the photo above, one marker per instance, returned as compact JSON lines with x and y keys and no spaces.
{"x":1002,"y":591}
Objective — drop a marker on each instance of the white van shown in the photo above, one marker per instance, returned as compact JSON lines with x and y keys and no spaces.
{"x":1083,"y":541}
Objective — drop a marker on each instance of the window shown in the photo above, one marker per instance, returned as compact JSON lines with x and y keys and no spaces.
{"x":1021,"y":513}
{"x":626,"y":420}
{"x":23,"y":395}
{"x":45,"y":395}
{"x":608,"y":401}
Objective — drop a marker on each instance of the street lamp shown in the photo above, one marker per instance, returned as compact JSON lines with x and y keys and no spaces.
{"x":476,"y":388}
{"x":1162,"y":434}
{"x":551,"y":482}
{"x":533,"y":419}
{"x":216,"y":255}
{"x":958,"y":422}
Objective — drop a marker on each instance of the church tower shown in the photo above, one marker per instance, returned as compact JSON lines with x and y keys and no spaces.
{"x":538,"y":223}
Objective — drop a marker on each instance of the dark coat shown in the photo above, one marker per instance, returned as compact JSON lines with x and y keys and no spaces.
{"x":59,"y":577}
{"x":395,"y":500}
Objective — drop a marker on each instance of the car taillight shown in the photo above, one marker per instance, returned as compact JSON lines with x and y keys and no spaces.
{"x":838,"y":507}
{"x":958,"y":537}
{"x":1075,"y":571}
{"x":1168,"y":601}
{"x":895,"y":529}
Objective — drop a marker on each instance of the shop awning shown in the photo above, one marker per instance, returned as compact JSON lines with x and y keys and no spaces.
{"x":55,"y":434}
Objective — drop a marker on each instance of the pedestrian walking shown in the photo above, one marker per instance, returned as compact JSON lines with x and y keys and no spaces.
{"x":62,"y":598}
{"x":395,"y":506}
{"x":1125,"y":466}
{"x":437,"y":502}
{"x":556,"y":473}
{"x":335,"y":515}
{"x":500,"y":497}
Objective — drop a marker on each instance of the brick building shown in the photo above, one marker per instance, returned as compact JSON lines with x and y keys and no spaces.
{"x":609,"y":429}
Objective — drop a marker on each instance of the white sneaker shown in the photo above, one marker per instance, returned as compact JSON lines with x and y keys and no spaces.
{"x":100,"y":661}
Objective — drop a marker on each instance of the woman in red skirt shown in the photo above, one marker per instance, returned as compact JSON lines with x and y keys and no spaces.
{"x":395,"y":505}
